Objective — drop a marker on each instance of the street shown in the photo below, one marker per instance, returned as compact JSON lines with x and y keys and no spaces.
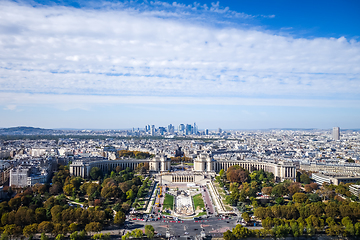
{"x":188,"y":228}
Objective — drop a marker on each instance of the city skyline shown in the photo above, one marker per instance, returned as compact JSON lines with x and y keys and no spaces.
{"x":114,"y":64}
{"x":175,"y":129}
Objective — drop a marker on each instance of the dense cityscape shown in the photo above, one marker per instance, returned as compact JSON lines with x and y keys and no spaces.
{"x":179,"y":120}
{"x":140,"y":180}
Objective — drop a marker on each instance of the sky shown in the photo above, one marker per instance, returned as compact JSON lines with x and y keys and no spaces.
{"x":229,"y":64}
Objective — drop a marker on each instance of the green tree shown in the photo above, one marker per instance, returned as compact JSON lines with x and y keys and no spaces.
{"x":357,"y":229}
{"x":40,"y":215}
{"x":30,"y":230}
{"x":73,"y":227}
{"x":56,"y":213}
{"x":267,"y":223}
{"x":279,"y":200}
{"x":130,"y":194}
{"x":300,"y":197}
{"x":4,"y":219}
{"x":82,"y":234}
{"x":45,"y":227}
{"x":279,"y":190}
{"x":93,"y":227}
{"x":334,"y":230}
{"x":295,"y":229}
{"x":126,"y":236}
{"x":12,"y":229}
{"x":332,"y":210}
{"x":44,"y":237}
{"x":15,"y":203}
{"x":137,"y":233}
{"x":314,"y":197}
{"x":60,"y":237}
{"x":349,"y":229}
{"x":245,"y":216}
{"x":149,"y":231}
{"x":69,"y":189}
{"x":95,"y":173}
{"x":222,"y":174}
{"x":4,"y":236}
{"x":91,"y":188}
{"x":281,"y":231}
{"x":304,"y":178}
{"x":241,"y":232}
{"x":74,"y":236}
{"x":228,"y":235}
{"x":119,"y":218}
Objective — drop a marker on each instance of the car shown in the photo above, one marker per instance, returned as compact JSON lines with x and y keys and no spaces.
{"x":186,"y":233}
{"x":195,"y":229}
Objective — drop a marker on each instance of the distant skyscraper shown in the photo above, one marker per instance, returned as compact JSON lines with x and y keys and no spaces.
{"x":188,"y":129}
{"x":152,"y":130}
{"x":170,"y":128}
{"x":181,"y":128}
{"x":162,"y":130}
{"x":206,"y":131}
{"x":336,"y":133}
{"x":195,"y":129}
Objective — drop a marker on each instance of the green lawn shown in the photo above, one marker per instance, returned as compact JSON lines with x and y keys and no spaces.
{"x":201,"y":214}
{"x":168,"y":202}
{"x":198,"y":202}
{"x":228,"y":208}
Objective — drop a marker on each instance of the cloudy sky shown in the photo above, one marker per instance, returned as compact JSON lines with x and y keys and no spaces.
{"x":231,"y":64}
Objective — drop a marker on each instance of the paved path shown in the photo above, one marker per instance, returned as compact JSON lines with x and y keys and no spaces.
{"x":207,"y":199}
{"x":159,"y":209}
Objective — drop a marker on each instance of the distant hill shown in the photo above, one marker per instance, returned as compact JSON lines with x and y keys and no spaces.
{"x":22,"y":130}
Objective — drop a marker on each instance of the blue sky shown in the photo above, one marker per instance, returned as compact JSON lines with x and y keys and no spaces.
{"x":228,"y":64}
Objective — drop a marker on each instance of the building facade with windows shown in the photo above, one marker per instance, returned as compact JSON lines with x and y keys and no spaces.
{"x":336,"y":133}
{"x":203,"y":163}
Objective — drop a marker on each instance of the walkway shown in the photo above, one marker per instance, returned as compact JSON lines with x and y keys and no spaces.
{"x":208,"y":203}
{"x":216,"y":198}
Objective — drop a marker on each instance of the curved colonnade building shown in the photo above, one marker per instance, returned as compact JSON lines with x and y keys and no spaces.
{"x":282,"y":170}
{"x":203,"y":163}
{"x":82,"y":167}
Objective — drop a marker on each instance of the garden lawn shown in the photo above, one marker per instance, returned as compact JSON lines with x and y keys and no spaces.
{"x":198,"y":202}
{"x":168,"y":202}
{"x":201,"y":214}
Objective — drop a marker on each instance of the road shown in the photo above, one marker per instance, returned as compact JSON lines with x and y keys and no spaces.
{"x":188,"y":228}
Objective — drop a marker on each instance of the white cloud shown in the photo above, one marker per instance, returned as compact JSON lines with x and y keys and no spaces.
{"x":122,"y":51}
{"x":67,"y":102}
{"x":10,"y":107}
